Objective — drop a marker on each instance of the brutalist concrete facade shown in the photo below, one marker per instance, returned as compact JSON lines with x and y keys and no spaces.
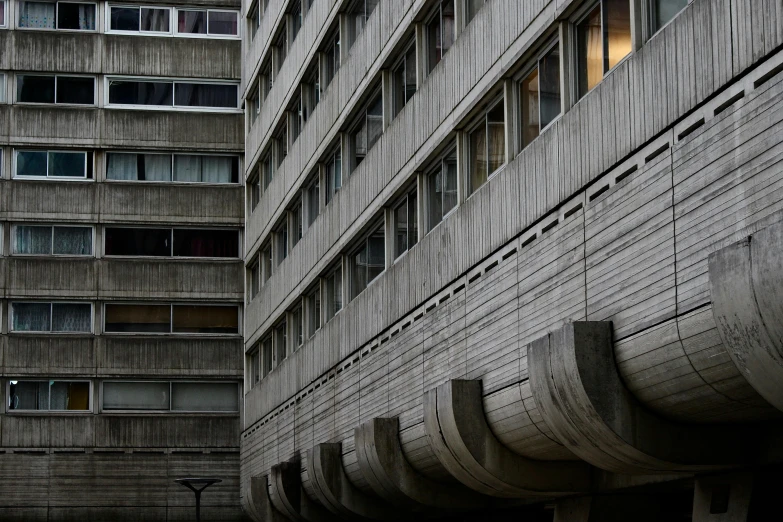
{"x":513,"y":259}
{"x":105,"y":397}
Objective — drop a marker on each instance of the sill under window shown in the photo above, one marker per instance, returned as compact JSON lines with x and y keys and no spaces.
{"x":173,"y":108}
{"x":48,"y":413}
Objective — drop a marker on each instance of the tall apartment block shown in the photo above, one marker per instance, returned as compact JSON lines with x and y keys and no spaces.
{"x":121,"y":274}
{"x":513,"y":260}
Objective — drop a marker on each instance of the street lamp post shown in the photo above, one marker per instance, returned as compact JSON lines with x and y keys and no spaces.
{"x":193,"y":485}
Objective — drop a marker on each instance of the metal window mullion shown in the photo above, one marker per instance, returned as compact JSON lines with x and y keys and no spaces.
{"x":171,"y":325}
{"x":171,"y":393}
{"x":51,"y":315}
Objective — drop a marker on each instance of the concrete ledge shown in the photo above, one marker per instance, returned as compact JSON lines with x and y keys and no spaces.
{"x":459,"y":434}
{"x":288,"y":496}
{"x":256,"y":501}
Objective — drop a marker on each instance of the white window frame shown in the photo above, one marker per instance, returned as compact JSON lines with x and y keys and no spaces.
{"x":14,"y":226}
{"x":4,"y":22}
{"x":3,"y":76}
{"x":56,"y":12}
{"x":56,"y":77}
{"x":49,"y":331}
{"x":88,"y":157}
{"x":172,"y":155}
{"x":175,"y":24}
{"x":173,"y":106}
{"x":171,"y":306}
{"x":8,"y":410}
{"x":171,"y":249}
{"x":170,"y":410}
{"x":140,"y":32}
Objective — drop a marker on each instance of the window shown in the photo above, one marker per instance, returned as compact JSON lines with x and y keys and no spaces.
{"x":280,"y":51}
{"x":358,"y":14}
{"x":539,"y":95}
{"x":487,"y":146}
{"x":185,"y":168}
{"x":48,"y":395}
{"x":166,"y":318}
{"x":441,"y":33}
{"x":314,"y":311}
{"x":662,"y":11}
{"x":136,"y":19}
{"x":254,"y":277}
{"x":281,"y":142}
{"x":167,"y":242}
{"x":3,"y":23}
{"x":51,"y":317}
{"x":266,"y":79}
{"x":254,"y":361}
{"x":266,"y":262}
{"x":334,"y":173}
{"x":267,"y":169}
{"x":472,"y":8}
{"x":295,"y":218}
{"x":404,"y":78}
{"x":312,"y":199}
{"x":296,"y":21}
{"x":207,"y":22}
{"x":368,"y":261}
{"x":332,"y":58}
{"x":281,"y":341}
{"x":254,"y":100}
{"x":311,"y":93}
{"x":367,"y":130}
{"x":295,"y":109}
{"x":603,"y":38}
{"x":281,"y":238}
{"x":170,"y":396}
{"x":52,"y":240}
{"x":37,"y":164}
{"x":76,"y":90}
{"x":267,"y":356}
{"x":169,"y":93}
{"x":255,"y":16}
{"x":406,"y":228}
{"x":254,"y":192}
{"x":57,"y":15}
{"x":333,"y":288}
{"x":2,"y":75}
{"x":297,"y":327}
{"x":442,"y":188}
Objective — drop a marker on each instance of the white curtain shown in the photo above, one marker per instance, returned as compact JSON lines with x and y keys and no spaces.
{"x":216,"y":169}
{"x":33,"y":240}
{"x":30,"y":395}
{"x":37,"y":15}
{"x":87,"y":17}
{"x":31,"y":317}
{"x":72,"y":240}
{"x":157,"y":167}
{"x":71,"y":317}
{"x":122,"y":167}
{"x":187,"y":168}
{"x":136,"y":395}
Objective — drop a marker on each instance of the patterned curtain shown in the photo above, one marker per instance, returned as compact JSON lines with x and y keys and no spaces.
{"x":37,"y":15}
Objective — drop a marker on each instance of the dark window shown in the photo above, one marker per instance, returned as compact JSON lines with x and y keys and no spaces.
{"x":540,"y":95}
{"x":56,"y":164}
{"x":205,"y":319}
{"x":267,"y":359}
{"x":662,"y":11}
{"x":334,"y":173}
{"x":76,"y":16}
{"x":35,"y":89}
{"x":155,"y":20}
{"x":205,"y":95}
{"x":314,"y":311}
{"x":51,"y":317}
{"x":369,"y":261}
{"x":313,"y":201}
{"x":123,"y":92}
{"x":334,"y":292}
{"x":369,"y":129}
{"x":332,"y":52}
{"x":206,"y":243}
{"x":222,"y":22}
{"x":487,"y":146}
{"x":192,"y":22}
{"x":297,"y":327}
{"x":405,"y":224}
{"x":472,"y":8}
{"x":404,"y":79}
{"x":75,"y":90}
{"x":281,"y":342}
{"x":296,"y":223}
{"x":137,"y":318}
{"x":49,"y":395}
{"x":138,"y":242}
{"x":145,"y":19}
{"x":124,"y":19}
{"x":57,"y":15}
{"x":441,"y":33}
{"x":442,"y":189}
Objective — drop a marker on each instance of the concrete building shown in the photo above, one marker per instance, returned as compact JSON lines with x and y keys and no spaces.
{"x":121,"y":274}
{"x":513,"y":259}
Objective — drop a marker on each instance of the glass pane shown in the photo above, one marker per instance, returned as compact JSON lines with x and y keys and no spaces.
{"x":449,"y":183}
{"x":434,"y":43}
{"x":71,"y":317}
{"x":296,"y":327}
{"x":435,"y":181}
{"x":31,"y":317}
{"x":204,"y":396}
{"x":68,"y":164}
{"x":37,"y":15}
{"x":266,"y":258}
{"x":337,"y":278}
{"x":155,"y":167}
{"x":449,"y":29}
{"x":155,"y":20}
{"x":374,"y":121}
{"x":398,"y":88}
{"x":312,"y":203}
{"x":549,"y":69}
{"x":35,"y":89}
{"x":138,"y":242}
{"x":73,"y":241}
{"x":529,"y":98}
{"x":267,"y":356}
{"x":478,"y":157}
{"x":410,"y":73}
{"x":205,"y":95}
{"x":75,"y":90}
{"x":190,"y":242}
{"x":30,"y":163}
{"x":664,"y":10}
{"x":28,"y":395}
{"x":2,"y":13}
{"x":219,"y":169}
{"x":138,"y":318}
{"x":140,"y":93}
{"x":122,"y":166}
{"x":221,"y":22}
{"x":590,"y":65}
{"x":496,"y":129}
{"x":76,"y":16}
{"x":205,"y":319}
{"x":359,"y":280}
{"x":401,"y":230}
{"x":33,"y":240}
{"x":187,"y":168}
{"x":135,"y":396}
{"x":314,"y":311}
{"x":617,"y":31}
{"x":281,"y":342}
{"x":377,"y":256}
{"x":124,"y":19}
{"x":472,"y":8}
{"x":194,"y":22}
{"x":70,"y":396}
{"x":255,"y":368}
{"x":413,"y":220}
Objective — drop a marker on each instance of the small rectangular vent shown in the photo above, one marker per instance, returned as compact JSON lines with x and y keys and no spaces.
{"x":573,"y":211}
{"x":625,"y":174}
{"x":491,"y":266}
{"x":509,"y":253}
{"x":528,"y":241}
{"x":767,"y":77}
{"x":600,"y":191}
{"x":687,"y":132}
{"x":549,"y":227}
{"x":657,"y":152}
{"x":728,"y":103}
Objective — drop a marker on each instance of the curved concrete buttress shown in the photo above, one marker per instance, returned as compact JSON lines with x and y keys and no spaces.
{"x":335,"y":491}
{"x":583,"y":400}
{"x":389,"y":474}
{"x":257,"y":503}
{"x":288,"y":495}
{"x":746,"y":286}
{"x":459,"y":434}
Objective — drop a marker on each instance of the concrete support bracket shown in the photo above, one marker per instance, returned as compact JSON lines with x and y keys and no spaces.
{"x":288,"y":496}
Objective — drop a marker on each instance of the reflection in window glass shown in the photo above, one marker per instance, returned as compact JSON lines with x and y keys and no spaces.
{"x":155,"y":20}
{"x":49,"y":395}
{"x":136,"y":395}
{"x":441,"y":33}
{"x":222,"y":22}
{"x":369,"y":261}
{"x":487,"y":146}
{"x":540,"y":96}
{"x":192,"y":22}
{"x":603,"y":39}
{"x":334,"y":292}
{"x":205,"y":319}
{"x":662,"y":11}
{"x":124,"y":19}
{"x":442,"y":189}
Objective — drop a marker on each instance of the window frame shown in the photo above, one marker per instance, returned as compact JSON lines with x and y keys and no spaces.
{"x":170,"y":410}
{"x":56,"y":16}
{"x":405,"y":200}
{"x":13,"y":411}
{"x":52,"y":226}
{"x":173,"y":156}
{"x":4,"y":22}
{"x":140,"y":32}
{"x":55,"y":102}
{"x":89,"y":157}
{"x":173,"y":107}
{"x":651,"y":18}
{"x":11,"y":314}
{"x":479,"y":120}
{"x":362,"y":120}
{"x":434,"y":168}
{"x":437,"y":13}
{"x":532,"y":64}
{"x":359,"y":245}
{"x":331,"y":190}
{"x":171,"y":230}
{"x":402,"y":61}
{"x":208,"y":35}
{"x":171,"y":306}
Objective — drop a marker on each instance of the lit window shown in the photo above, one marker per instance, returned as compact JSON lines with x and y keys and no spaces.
{"x":487,"y":145}
{"x":442,"y":188}
{"x":170,"y":396}
{"x":76,"y":90}
{"x":135,"y":19}
{"x":406,"y":228}
{"x":368,"y":261}
{"x":404,"y":79}
{"x":441,"y":33}
{"x":540,"y":95}
{"x":167,"y":242}
{"x":662,"y":11}
{"x":38,"y":164}
{"x":57,"y":240}
{"x":48,"y":395}
{"x":207,"y":22}
{"x":185,"y":168}
{"x":51,"y":317}
{"x":367,"y":130}
{"x":168,"y":93}
{"x":603,"y":39}
{"x":166,"y":318}
{"x":57,"y":15}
